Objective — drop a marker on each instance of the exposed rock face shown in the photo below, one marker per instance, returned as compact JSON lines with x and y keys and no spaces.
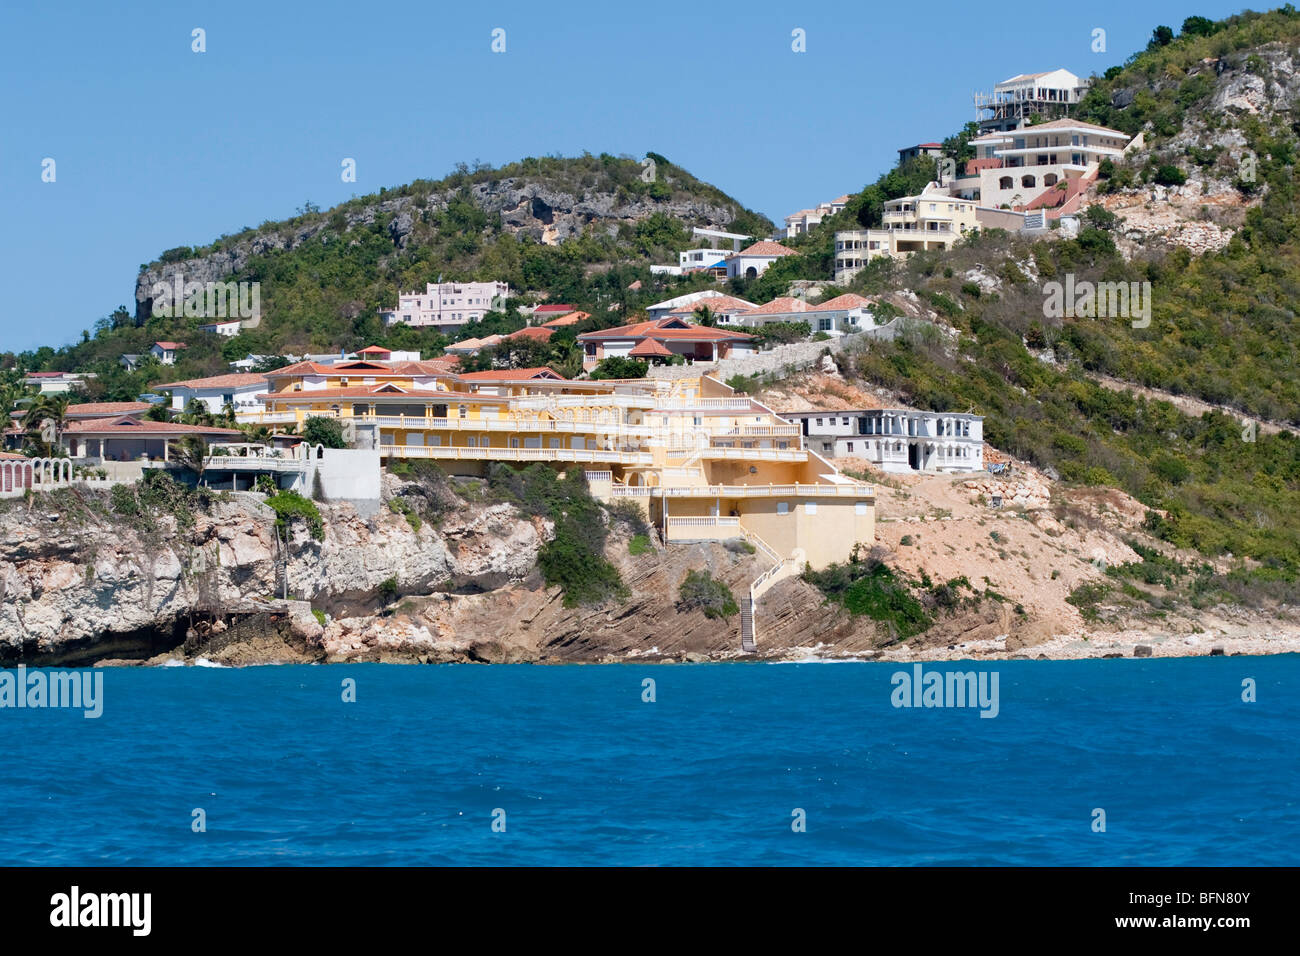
{"x":524,"y":208}
{"x":1028,"y":492}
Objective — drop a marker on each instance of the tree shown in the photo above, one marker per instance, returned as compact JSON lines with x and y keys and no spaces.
{"x":44,"y":421}
{"x":324,"y":431}
{"x":191,"y":453}
{"x":706,"y":316}
{"x":1160,"y":36}
{"x":618,"y":367}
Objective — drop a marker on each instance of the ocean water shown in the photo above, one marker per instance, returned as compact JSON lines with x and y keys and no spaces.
{"x":711,"y":772}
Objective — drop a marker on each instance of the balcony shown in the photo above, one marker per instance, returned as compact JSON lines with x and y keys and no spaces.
{"x":448,"y":453}
{"x":703,"y":528}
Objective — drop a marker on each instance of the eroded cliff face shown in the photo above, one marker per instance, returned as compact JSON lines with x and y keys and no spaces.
{"x":77,"y":581}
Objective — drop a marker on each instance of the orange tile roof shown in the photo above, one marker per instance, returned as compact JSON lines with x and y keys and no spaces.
{"x":170,"y":345}
{"x":780,"y":305}
{"x":571,"y":318}
{"x":665,"y":328}
{"x":105,"y":409}
{"x":767,"y":248}
{"x":11,"y":455}
{"x":511,"y":375}
{"x":716,"y":303}
{"x":374,"y":350}
{"x":233,"y":380}
{"x":650,"y":348}
{"x":537,"y":333}
{"x":125,"y":425}
{"x":849,"y":300}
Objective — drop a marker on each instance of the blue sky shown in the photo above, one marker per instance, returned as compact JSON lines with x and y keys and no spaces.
{"x":157,"y":146}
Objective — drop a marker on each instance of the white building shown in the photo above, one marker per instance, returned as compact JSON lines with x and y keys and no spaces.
{"x":448,"y":305}
{"x":691,"y":301}
{"x":239,"y":390}
{"x":798,"y":223}
{"x":896,"y":439}
{"x":751,"y":262}
{"x":56,"y":383}
{"x":1051,"y":93}
{"x":166,"y":352}
{"x":226,"y":327}
{"x":841,"y":315}
{"x":1016,"y":168}
{"x":700,"y":258}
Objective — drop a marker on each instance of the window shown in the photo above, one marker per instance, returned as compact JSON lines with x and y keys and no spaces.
{"x":463,"y":411}
{"x":810,"y":507}
{"x":783,"y":507}
{"x":849,"y":446}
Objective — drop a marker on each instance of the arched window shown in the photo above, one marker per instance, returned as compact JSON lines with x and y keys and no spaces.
{"x":1006,"y":182}
{"x":751,"y":273}
{"x":1049,"y":179}
{"x":1028,"y":182}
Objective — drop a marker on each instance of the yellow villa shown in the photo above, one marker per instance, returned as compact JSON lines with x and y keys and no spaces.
{"x":703,"y":462}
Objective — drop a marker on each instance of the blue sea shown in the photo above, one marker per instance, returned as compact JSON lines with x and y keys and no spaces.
{"x":579,"y":769}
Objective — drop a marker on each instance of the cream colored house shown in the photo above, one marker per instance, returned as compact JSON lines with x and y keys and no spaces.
{"x":701,"y":461}
{"x":932,"y":220}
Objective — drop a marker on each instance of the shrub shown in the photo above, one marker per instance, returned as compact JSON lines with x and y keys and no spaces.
{"x":873,"y":589}
{"x":618,"y":367}
{"x":699,"y":590}
{"x":323,"y":431}
{"x":289,"y":505}
{"x":639,"y":544}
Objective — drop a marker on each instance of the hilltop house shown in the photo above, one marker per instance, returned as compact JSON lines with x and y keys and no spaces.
{"x":165,"y":352}
{"x":1018,"y":100}
{"x":754,"y":260}
{"x":123,"y":438}
{"x":226,"y":327}
{"x":56,"y":383}
{"x":1015,"y":168}
{"x":710,"y":297}
{"x":675,"y":336}
{"x":239,"y":390}
{"x":447,"y":306}
{"x":798,"y":223}
{"x":920,"y":149}
{"x":838,"y":316}
{"x":896,"y":439}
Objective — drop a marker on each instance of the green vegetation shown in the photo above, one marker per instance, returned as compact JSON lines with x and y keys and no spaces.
{"x":616,"y":367}
{"x":868,"y":586}
{"x":400,"y":506}
{"x":155,"y":496}
{"x":639,"y":544}
{"x":574,"y":559}
{"x":323,"y":431}
{"x":700,"y":591}
{"x":290,"y":506}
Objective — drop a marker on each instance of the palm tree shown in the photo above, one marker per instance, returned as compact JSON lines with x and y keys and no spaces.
{"x":706,"y":316}
{"x":13,"y":392}
{"x":191,"y":453}
{"x":44,"y":421}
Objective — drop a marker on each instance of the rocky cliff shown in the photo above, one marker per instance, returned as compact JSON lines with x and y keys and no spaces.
{"x":544,"y":208}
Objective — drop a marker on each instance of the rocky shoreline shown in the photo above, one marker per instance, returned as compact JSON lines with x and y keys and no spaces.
{"x":81,"y":587}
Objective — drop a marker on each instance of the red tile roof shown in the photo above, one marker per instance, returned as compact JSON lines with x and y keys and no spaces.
{"x":665,"y":328}
{"x":171,"y":346}
{"x":374,"y":350}
{"x":232,"y":380}
{"x":10,"y":455}
{"x":767,"y":248}
{"x":556,"y":307}
{"x":649,"y":348}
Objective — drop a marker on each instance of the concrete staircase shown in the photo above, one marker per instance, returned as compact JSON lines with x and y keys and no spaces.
{"x":781,"y":568}
{"x":747,"y":625}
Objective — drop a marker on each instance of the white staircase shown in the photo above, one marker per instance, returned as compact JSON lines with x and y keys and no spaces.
{"x":781,"y":569}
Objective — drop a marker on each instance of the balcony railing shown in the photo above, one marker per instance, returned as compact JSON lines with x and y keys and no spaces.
{"x":515,"y":454}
